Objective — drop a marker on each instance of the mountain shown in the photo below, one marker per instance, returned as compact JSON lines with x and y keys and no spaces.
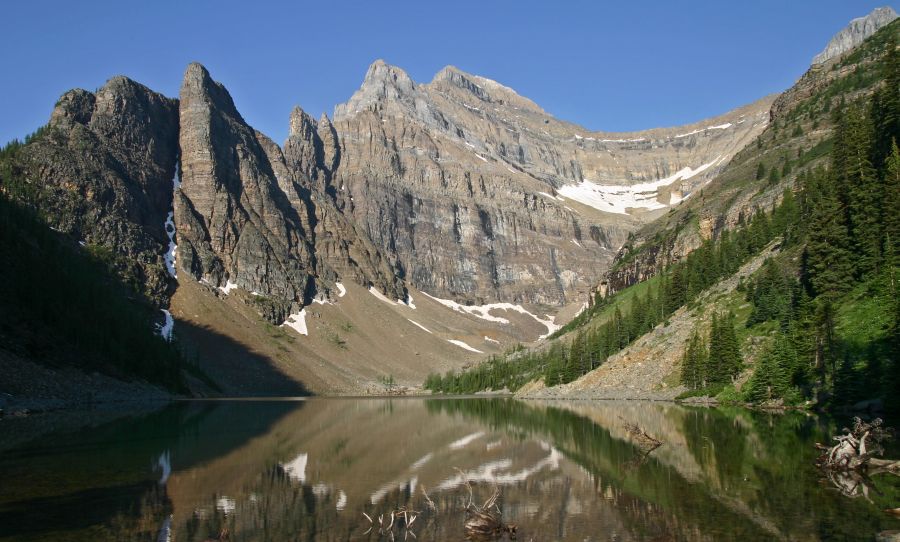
{"x":774,"y":284}
{"x":855,"y":33}
{"x":481,"y":195}
{"x":425,"y":226}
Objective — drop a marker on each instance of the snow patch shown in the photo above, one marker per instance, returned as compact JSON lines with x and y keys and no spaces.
{"x":341,"y":501}
{"x":717,"y":127}
{"x":551,"y":197}
{"x":165,"y":532}
{"x":490,"y":340}
{"x":296,"y":468}
{"x":229,"y":286}
{"x":165,"y":329}
{"x":169,"y":257}
{"x":418,"y":464}
{"x":419,"y":325}
{"x":484,"y":312}
{"x":619,"y":198}
{"x":164,"y":463}
{"x":464,"y":346}
{"x":169,"y":226}
{"x":341,"y":290}
{"x":490,"y":472}
{"x":297,"y":322}
{"x":636,"y":140}
{"x":374,"y":291}
{"x":465,"y":441}
{"x":409,"y":301}
{"x":226,"y":505}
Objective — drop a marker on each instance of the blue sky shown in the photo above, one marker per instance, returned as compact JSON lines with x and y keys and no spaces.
{"x":605,"y":65}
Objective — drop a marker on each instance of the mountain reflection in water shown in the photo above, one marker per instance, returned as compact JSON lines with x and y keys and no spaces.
{"x":309,"y":470}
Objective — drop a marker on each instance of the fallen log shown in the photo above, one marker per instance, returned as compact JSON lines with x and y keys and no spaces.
{"x":856,"y":449}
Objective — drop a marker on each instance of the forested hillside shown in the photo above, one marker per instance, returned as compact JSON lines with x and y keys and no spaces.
{"x":62,"y":304}
{"x":824,"y":309}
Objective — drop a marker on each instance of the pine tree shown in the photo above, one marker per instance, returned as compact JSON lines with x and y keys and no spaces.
{"x":885,"y":108}
{"x":693,"y":362}
{"x":770,"y":379}
{"x":760,"y":171}
{"x":827,"y":260}
{"x":774,"y":176}
{"x":728,"y":354}
{"x":863,"y":192}
{"x":891,"y":207}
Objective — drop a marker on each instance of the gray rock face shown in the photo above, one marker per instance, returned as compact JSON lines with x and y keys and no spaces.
{"x":855,"y":33}
{"x":460,"y":179}
{"x":262,"y":219}
{"x":459,"y":187}
{"x":104,"y":170}
{"x":236,"y":223}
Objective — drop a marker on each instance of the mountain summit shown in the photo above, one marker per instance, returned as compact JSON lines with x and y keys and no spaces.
{"x":854,"y":33}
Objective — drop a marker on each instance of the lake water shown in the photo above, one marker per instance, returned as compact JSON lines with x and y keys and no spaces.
{"x":308,"y":470}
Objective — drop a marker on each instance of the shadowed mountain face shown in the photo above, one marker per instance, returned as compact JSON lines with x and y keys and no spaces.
{"x":102,"y":172}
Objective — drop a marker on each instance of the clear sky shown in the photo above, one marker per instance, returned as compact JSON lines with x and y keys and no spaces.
{"x":617,"y":66}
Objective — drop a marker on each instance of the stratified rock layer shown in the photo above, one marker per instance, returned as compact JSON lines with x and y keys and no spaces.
{"x":457,"y":181}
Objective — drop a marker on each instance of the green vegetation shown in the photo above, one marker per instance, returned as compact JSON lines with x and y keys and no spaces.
{"x":61,"y":304}
{"x":831,"y":312}
{"x":714,"y":361}
{"x":647,"y":306}
{"x":835,"y":315}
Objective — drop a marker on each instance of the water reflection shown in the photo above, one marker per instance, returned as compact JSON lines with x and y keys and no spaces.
{"x":310,"y":470}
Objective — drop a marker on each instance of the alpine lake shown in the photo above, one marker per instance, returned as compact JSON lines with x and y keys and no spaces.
{"x":336,"y":469}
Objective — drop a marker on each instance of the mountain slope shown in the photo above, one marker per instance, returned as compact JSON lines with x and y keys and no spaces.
{"x":536,"y":206}
{"x":704,"y":260}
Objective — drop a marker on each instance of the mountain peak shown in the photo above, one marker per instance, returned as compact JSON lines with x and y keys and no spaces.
{"x":483,"y":88}
{"x":855,"y":33}
{"x":383,"y":82}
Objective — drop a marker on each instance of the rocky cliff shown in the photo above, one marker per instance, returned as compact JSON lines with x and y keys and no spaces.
{"x":102,"y":172}
{"x":482,"y":195}
{"x":459,"y":189}
{"x":855,"y":33}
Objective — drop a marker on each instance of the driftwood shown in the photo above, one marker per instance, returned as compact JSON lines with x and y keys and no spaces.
{"x":646,"y":444}
{"x":401,"y":519}
{"x":485,"y":523}
{"x":482,"y":524}
{"x":848,"y":463}
{"x":641,"y":437}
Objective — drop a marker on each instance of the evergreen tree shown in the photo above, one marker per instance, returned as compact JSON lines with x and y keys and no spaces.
{"x":770,"y":379}
{"x":827,"y":259}
{"x":863,"y":192}
{"x":885,"y":108}
{"x":891,"y":207}
{"x":693,"y":362}
{"x":774,"y":176}
{"x":760,"y":171}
